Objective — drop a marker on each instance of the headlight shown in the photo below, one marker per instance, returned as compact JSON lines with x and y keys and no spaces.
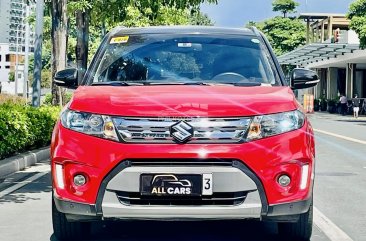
{"x":270,"y":125}
{"x":90,"y":124}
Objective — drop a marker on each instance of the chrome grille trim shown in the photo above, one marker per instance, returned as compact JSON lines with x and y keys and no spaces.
{"x":206,"y":130}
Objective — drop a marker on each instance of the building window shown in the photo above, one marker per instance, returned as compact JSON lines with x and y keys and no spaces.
{"x":7,"y":58}
{"x":7,"y":67}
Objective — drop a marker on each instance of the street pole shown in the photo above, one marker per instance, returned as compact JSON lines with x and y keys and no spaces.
{"x":36,"y":94}
{"x":17,"y":59}
{"x":26,"y":57}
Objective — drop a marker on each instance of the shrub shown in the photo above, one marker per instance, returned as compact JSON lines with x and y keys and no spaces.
{"x":23,"y":127}
{"x":48,"y":98}
{"x":11,"y":99}
{"x":11,"y":76}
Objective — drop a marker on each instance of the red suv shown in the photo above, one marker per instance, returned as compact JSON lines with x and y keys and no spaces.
{"x":183,"y":123}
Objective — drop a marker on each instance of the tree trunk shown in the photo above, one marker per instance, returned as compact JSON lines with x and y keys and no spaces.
{"x":103,"y":29}
{"x":59,"y":44}
{"x":82,"y":47}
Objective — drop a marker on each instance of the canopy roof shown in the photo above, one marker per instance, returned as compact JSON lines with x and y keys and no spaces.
{"x":316,"y":52}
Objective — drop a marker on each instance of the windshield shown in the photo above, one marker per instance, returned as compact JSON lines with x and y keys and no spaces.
{"x":159,"y":58}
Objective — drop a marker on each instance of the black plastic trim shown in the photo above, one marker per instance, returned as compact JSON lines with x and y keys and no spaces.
{"x":293,"y":208}
{"x":103,"y":186}
{"x":74,"y":208}
{"x":240,"y":165}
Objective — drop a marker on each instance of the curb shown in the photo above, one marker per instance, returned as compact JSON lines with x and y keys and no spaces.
{"x":21,"y":161}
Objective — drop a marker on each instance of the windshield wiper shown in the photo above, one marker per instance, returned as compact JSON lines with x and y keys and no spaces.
{"x":117,"y":83}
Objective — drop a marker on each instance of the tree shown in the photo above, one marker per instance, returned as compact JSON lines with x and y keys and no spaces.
{"x":284,"y":6}
{"x":285,"y":34}
{"x":357,"y":15}
{"x":198,"y":18}
{"x":59,"y":43}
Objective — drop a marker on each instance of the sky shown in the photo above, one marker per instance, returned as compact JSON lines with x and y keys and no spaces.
{"x":236,"y":13}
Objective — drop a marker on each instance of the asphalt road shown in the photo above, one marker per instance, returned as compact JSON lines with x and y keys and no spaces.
{"x":340,"y":191}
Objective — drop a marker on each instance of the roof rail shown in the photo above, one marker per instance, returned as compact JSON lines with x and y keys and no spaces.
{"x":255,"y":31}
{"x":117,"y":29}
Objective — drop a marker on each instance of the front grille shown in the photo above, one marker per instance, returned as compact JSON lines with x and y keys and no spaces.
{"x":227,"y":199}
{"x":206,"y":130}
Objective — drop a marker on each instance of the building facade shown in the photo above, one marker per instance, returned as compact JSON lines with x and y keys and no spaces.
{"x":333,"y":50}
{"x":13,"y":26}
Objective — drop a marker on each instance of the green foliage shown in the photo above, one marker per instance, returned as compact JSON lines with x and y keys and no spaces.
{"x":11,"y":76}
{"x":284,"y":34}
{"x":284,"y":6}
{"x":357,"y":15}
{"x":46,"y":78}
{"x":48,"y":98}
{"x":23,"y":127}
{"x":198,"y":18}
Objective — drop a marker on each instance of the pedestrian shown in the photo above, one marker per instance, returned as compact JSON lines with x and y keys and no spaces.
{"x":343,"y":101}
{"x":356,"y":106}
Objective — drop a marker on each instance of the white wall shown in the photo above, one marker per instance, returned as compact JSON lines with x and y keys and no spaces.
{"x":4,"y":72}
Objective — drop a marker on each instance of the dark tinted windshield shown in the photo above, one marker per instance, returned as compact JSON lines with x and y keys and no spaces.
{"x":184,"y":59}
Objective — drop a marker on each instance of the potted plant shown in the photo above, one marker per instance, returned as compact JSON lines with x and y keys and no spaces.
{"x":323,"y":105}
{"x":316,"y":104}
{"x":332,"y":106}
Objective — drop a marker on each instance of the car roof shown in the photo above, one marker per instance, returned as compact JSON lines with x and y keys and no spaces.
{"x":182,"y":30}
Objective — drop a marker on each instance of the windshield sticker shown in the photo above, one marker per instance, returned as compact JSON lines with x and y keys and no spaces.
{"x":256,"y":41}
{"x":185,"y":45}
{"x":119,"y":40}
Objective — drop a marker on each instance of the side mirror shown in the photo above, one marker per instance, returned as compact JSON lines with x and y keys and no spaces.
{"x":303,"y":79}
{"x":67,"y":78}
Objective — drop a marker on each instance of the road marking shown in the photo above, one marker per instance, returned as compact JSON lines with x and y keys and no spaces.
{"x":333,"y":232}
{"x":43,"y":170}
{"x":341,"y":137}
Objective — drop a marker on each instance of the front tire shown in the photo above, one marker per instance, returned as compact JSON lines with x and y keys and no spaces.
{"x":65,"y":230}
{"x":299,"y":231}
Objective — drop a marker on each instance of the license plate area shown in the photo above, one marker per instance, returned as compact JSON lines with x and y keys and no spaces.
{"x":174,"y":185}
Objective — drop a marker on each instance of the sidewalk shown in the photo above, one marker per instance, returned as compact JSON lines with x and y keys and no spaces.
{"x":22,"y":161}
{"x":337,"y":117}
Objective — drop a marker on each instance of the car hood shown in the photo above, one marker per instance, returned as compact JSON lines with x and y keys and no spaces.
{"x":178,"y":101}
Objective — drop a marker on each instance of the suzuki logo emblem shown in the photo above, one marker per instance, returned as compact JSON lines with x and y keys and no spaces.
{"x":181,"y":131}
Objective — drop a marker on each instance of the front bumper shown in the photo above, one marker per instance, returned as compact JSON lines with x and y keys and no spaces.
{"x":278,"y":213}
{"x":262,"y":161}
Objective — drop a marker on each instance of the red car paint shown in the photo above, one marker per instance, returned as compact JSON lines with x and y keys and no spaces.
{"x":267,"y":158}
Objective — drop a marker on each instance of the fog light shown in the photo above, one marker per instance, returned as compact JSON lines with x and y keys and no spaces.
{"x":79,"y":180}
{"x":284,"y":180}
